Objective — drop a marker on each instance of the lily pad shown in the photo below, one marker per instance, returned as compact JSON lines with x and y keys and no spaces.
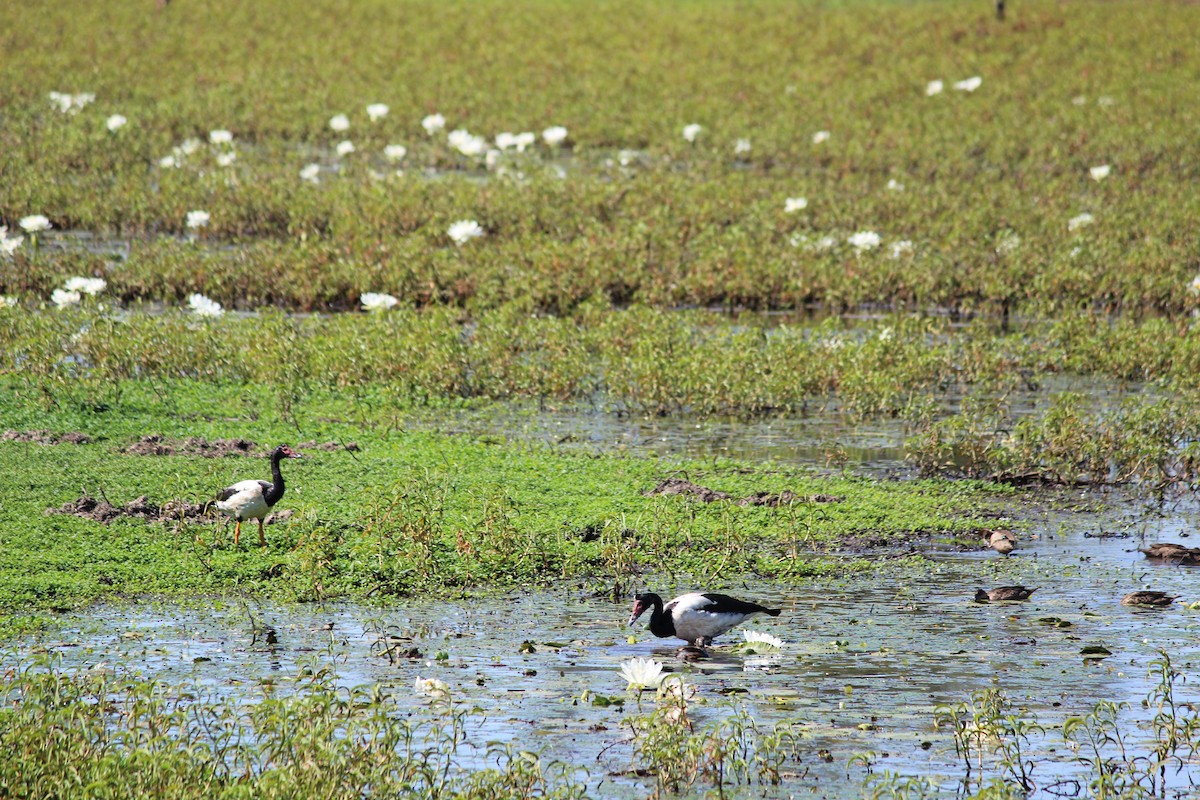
{"x":1095,"y":651}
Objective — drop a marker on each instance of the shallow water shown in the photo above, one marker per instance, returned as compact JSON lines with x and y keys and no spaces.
{"x":866,"y":662}
{"x":826,"y":438}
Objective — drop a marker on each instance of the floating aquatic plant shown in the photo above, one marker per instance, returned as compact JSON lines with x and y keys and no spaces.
{"x":642,"y":673}
{"x":204,"y":306}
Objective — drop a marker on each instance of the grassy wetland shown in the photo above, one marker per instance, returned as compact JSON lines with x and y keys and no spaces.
{"x":566,"y":301}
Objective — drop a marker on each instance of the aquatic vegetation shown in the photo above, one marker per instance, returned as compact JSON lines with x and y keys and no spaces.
{"x":464,"y":231}
{"x":95,"y":727}
{"x":62,"y":298}
{"x":35,"y":223}
{"x":433,"y":123}
{"x":761,"y":639}
{"x":91,"y":286}
{"x":204,"y":306}
{"x":376,"y":301}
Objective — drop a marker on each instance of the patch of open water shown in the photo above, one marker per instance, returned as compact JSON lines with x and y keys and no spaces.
{"x":866,"y":662}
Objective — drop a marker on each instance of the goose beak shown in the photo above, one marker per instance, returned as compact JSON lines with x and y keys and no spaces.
{"x":638,"y":609}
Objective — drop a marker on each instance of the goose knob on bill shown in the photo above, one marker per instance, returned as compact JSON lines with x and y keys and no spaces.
{"x":254,"y":499}
{"x":696,"y":618}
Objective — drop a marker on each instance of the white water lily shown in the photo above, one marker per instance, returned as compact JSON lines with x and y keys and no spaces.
{"x":464,"y":231}
{"x":395,"y":152}
{"x":823,"y":244}
{"x":865,"y":240}
{"x":377,"y":301}
{"x":377,"y":111}
{"x":92,"y":286}
{"x":1194,"y":286}
{"x":226,"y":159}
{"x":61,"y":101}
{"x":690,"y":132}
{"x":794,"y":204}
{"x":115,"y":122}
{"x":894,"y":185}
{"x":433,"y":123}
{"x":524,"y":140}
{"x":8,"y":301}
{"x":431,"y":688}
{"x":902,"y":248}
{"x":934,"y":87}
{"x":168,"y":162}
{"x":9,"y":244}
{"x":339,"y":123}
{"x":62,"y":298}
{"x":1081,"y":221}
{"x":504,"y":140}
{"x":820,"y":137}
{"x":1007,"y":242}
{"x":219,"y":136}
{"x":71,"y":103}
{"x":1100,"y":173}
{"x":741,"y":147}
{"x":760,"y":638}
{"x":466,"y":142}
{"x":204,"y":306}
{"x":189,"y":146}
{"x":969,"y":84}
{"x":345,"y":148}
{"x":1078,"y":100}
{"x":197,"y":219}
{"x":35,"y":223}
{"x":491,"y":159}
{"x":642,"y":673}
{"x":310,"y":173}
{"x":554,"y":135}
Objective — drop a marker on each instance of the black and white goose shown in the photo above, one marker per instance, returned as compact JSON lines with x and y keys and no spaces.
{"x":696,"y":618}
{"x":254,"y":499}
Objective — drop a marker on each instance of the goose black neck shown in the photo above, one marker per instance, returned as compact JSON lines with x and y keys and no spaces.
{"x":661,"y":625}
{"x":275,"y":493}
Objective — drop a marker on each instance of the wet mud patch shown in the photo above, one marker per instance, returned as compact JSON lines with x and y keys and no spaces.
{"x":100,"y":510}
{"x":685,"y":488}
{"x":158,"y":445}
{"x":44,"y":437}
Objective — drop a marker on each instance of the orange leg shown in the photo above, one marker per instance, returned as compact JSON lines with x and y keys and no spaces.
{"x":262,"y":538}
{"x":237,"y":531}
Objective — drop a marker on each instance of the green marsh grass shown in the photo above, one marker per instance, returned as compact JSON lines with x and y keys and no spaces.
{"x":407,"y":512}
{"x":680,"y":223}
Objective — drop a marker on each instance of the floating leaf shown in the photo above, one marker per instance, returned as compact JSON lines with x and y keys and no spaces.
{"x":1095,"y":651}
{"x":526,"y":647}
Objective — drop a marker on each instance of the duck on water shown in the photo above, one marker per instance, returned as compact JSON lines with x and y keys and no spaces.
{"x":697,"y":618}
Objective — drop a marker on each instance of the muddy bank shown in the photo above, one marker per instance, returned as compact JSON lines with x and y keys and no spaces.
{"x":158,"y":445}
{"x":678,"y":486}
{"x":44,"y":437}
{"x":99,"y":509}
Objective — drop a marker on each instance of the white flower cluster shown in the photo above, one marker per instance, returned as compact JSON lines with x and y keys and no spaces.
{"x":71,"y":103}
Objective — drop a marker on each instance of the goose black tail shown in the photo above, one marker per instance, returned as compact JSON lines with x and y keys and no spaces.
{"x":774,"y":612}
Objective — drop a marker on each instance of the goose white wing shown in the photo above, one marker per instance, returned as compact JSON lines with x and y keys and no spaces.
{"x":695,"y":618}
{"x":244,"y":500}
